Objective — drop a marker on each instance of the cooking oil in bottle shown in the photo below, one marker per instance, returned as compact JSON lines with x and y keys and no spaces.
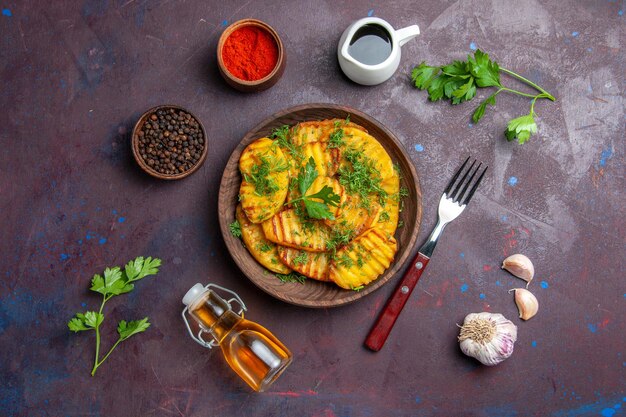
{"x":254,"y":353}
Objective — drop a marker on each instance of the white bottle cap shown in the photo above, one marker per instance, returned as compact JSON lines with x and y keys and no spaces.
{"x":193,"y":294}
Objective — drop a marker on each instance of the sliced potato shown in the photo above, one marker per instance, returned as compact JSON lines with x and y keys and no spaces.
{"x":319,"y":130}
{"x":264,"y":251}
{"x":311,"y":264}
{"x":388,"y":215}
{"x":363,"y":260}
{"x":326,"y":159}
{"x":353,"y":216}
{"x":265,"y":178}
{"x":372,"y":149}
{"x":287,"y":229}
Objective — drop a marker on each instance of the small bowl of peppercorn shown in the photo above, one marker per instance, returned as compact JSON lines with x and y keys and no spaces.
{"x":250,"y":56}
{"x":169,"y":142}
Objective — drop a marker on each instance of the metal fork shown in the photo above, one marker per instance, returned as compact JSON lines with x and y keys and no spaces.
{"x":452,"y":203}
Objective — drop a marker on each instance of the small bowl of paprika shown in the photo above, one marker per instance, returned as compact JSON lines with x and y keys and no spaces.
{"x":250,"y":55}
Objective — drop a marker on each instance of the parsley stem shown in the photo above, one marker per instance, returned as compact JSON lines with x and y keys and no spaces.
{"x":95,"y":361}
{"x":520,"y":93}
{"x":120,"y":340}
{"x":527,"y":81}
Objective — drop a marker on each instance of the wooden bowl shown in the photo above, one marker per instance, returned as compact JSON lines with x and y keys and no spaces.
{"x":142,"y":163}
{"x":314,"y":293}
{"x":256,"y":85}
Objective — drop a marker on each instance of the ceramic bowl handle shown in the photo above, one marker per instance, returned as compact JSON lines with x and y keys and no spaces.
{"x":406,"y":34}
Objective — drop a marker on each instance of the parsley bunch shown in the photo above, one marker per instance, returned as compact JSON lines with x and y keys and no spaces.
{"x":459,"y":80}
{"x":315,"y":209}
{"x":115,"y":282}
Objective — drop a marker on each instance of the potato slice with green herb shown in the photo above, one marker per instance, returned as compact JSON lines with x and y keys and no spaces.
{"x":288,"y":229}
{"x":311,"y":264}
{"x":264,"y":251}
{"x":355,"y":215}
{"x":326,"y":159}
{"x":265,"y":178}
{"x":316,"y":187}
{"x":370,"y":150}
{"x":319,"y":130}
{"x":388,"y":215}
{"x":363,"y":260}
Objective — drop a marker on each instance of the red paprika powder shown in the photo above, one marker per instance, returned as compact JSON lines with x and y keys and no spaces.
{"x":250,"y":53}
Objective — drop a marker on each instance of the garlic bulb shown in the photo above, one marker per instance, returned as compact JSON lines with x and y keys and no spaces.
{"x":487,"y":337}
{"x":527,"y":303}
{"x":520,"y":266}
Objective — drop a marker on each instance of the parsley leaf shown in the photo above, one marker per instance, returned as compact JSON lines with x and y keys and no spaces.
{"x":460,"y":80}
{"x":327,"y":195}
{"x":315,"y":209}
{"x":307,"y":175}
{"x":114,"y":282}
{"x":521,"y":128}
{"x":88,"y":321}
{"x":141,"y":268}
{"x":423,"y":75}
{"x":126,"y":330}
{"x":480,"y":110}
{"x":486,"y":72}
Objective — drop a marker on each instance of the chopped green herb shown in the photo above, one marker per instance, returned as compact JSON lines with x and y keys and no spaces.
{"x":291,"y":277}
{"x":383,"y":217}
{"x":259,"y":175}
{"x":339,"y":237}
{"x":359,"y":260}
{"x":360,"y":176}
{"x":345,"y":260}
{"x":235,"y":229}
{"x":301,"y":258}
{"x":335,"y":139}
{"x":264,"y":247}
{"x":282,"y":137}
{"x":396,"y":167}
{"x":357,"y":289}
{"x":400,"y":224}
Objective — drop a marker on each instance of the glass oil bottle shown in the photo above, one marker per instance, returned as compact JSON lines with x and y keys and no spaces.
{"x":254,"y":353}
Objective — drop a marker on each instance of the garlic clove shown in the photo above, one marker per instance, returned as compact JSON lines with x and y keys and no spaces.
{"x":520,"y":266}
{"x":527,"y":303}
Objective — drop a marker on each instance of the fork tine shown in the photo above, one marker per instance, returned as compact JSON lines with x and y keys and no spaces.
{"x":456,"y":175}
{"x":455,"y":194}
{"x":471,"y":193}
{"x":460,"y":196}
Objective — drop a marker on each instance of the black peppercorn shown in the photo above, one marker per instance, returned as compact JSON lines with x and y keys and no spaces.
{"x":170,"y":141}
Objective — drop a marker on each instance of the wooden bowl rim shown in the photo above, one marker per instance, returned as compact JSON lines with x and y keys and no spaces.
{"x":250,"y":22}
{"x":144,"y":166}
{"x":232,"y":242}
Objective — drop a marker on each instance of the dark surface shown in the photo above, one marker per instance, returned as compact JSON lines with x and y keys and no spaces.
{"x":76,"y":76}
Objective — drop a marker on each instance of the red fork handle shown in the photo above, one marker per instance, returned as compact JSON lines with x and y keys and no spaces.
{"x":379,"y":333}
